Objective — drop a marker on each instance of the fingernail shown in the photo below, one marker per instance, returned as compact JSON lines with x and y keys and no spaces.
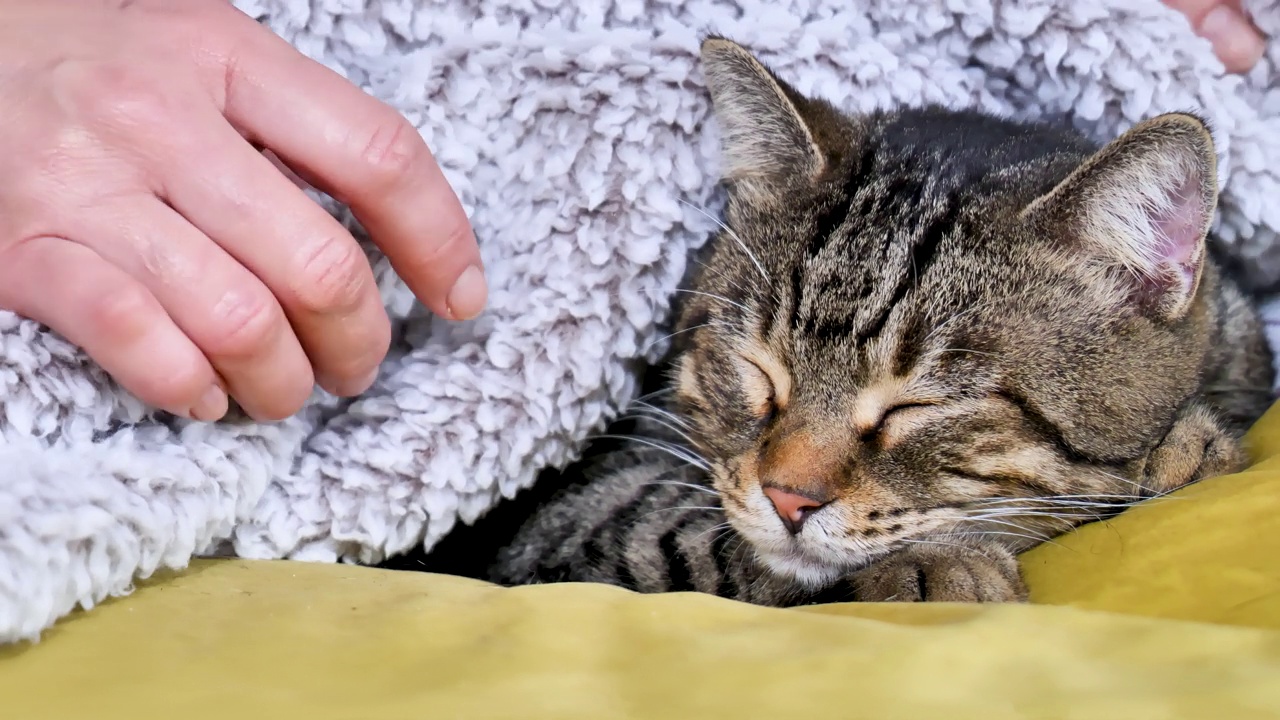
{"x":353,"y":388}
{"x":1236,"y":43}
{"x":212,"y":405}
{"x":468,"y":296}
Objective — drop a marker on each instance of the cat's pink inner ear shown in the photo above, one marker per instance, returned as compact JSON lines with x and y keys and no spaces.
{"x":1179,"y":227}
{"x":1177,"y":223}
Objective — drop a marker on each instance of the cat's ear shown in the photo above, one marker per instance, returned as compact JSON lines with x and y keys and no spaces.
{"x":1142,"y":204}
{"x":766,"y":140}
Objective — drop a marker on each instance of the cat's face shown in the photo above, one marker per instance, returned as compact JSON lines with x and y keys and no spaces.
{"x":913,"y":318}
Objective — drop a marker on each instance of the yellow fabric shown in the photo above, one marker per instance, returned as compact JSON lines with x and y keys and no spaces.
{"x":1169,"y":611}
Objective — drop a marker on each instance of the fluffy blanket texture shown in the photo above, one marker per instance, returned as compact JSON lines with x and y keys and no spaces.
{"x":575,"y":131}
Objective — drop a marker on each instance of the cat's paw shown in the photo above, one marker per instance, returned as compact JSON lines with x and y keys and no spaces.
{"x":976,"y":572}
{"x":1196,"y":447}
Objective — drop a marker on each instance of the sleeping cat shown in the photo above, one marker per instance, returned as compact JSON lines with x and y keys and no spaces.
{"x":924,"y":341}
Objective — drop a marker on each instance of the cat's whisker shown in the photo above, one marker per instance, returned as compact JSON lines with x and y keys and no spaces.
{"x":656,"y":411}
{"x":916,"y":541}
{"x":721,"y":527}
{"x":729,"y":231}
{"x":692,"y":486}
{"x":690,"y":508}
{"x":1006,"y":523}
{"x":642,"y":402}
{"x":673,"y":450}
{"x":1063,"y":510}
{"x":1110,"y":499}
{"x":984,"y":533}
{"x":955,"y":545}
{"x":1068,"y":519}
{"x":714,"y":296}
{"x":1141,"y":491}
{"x":663,"y":422}
{"x":729,"y":553}
{"x":1078,"y":512}
{"x":668,"y":336}
{"x":656,"y":393}
{"x":1075,"y":511}
{"x":646,"y":410}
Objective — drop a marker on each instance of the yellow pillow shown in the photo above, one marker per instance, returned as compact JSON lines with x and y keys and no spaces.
{"x":1168,"y":611}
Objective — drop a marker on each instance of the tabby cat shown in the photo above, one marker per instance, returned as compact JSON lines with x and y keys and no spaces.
{"x":924,"y":341}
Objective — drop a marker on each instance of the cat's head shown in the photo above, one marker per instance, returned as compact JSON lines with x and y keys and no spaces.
{"x":912,"y":314}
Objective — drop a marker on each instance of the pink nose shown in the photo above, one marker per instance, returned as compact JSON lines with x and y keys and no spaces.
{"x":792,"y":508}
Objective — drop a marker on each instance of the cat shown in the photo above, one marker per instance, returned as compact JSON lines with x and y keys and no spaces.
{"x":925,"y":341}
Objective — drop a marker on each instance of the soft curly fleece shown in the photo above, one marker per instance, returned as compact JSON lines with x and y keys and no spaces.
{"x":575,"y":132}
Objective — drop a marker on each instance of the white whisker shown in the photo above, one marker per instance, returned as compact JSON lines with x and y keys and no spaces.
{"x":673,"y":450}
{"x":692,"y":486}
{"x":680,"y":507}
{"x":1097,"y":500}
{"x":668,"y":336}
{"x":714,"y":296}
{"x":1005,"y":523}
{"x":655,"y":393}
{"x":956,"y":545}
{"x":1034,"y":513}
{"x":662,"y":412}
{"x":733,"y":235}
{"x":983,"y":533}
{"x":665,"y":424}
{"x":722,"y":526}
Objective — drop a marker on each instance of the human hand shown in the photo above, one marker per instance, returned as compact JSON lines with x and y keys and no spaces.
{"x":1236,"y":41}
{"x":139,"y":219}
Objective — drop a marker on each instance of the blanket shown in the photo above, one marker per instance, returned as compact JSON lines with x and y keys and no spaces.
{"x":577,"y":134}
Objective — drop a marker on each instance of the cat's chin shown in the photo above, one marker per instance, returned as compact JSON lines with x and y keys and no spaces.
{"x":808,"y":571}
{"x":808,"y":562}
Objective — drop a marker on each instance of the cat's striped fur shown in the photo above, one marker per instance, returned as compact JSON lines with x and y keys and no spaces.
{"x":925,"y":341}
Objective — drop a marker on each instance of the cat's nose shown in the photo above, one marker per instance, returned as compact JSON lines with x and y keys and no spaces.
{"x":793,"y":508}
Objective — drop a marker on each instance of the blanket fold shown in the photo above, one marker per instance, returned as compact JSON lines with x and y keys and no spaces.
{"x":576,"y":134}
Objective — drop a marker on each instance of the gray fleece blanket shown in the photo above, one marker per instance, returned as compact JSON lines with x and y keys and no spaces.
{"x":577,"y":134}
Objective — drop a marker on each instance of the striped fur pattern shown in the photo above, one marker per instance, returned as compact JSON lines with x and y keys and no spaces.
{"x":924,"y":341}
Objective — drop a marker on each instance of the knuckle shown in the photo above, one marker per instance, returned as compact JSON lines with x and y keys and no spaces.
{"x":372,"y":349}
{"x":284,"y":402}
{"x":246,"y":325}
{"x":392,"y":151}
{"x":117,"y":94}
{"x":125,"y":313}
{"x":333,"y":276}
{"x":443,"y":256}
{"x":458,"y":241}
{"x":179,"y":386}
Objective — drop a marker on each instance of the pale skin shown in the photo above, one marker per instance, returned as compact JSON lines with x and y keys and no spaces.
{"x":140,"y":221}
{"x":1236,"y":41}
{"x":150,"y":211}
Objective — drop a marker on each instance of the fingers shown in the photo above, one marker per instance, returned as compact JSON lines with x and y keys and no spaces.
{"x":115,"y":319}
{"x":306,"y":258}
{"x":1236,"y":41}
{"x":226,"y":311}
{"x":365,"y":154}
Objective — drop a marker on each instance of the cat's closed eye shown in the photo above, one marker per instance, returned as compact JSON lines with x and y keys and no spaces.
{"x":895,"y":413}
{"x":759,"y":390}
